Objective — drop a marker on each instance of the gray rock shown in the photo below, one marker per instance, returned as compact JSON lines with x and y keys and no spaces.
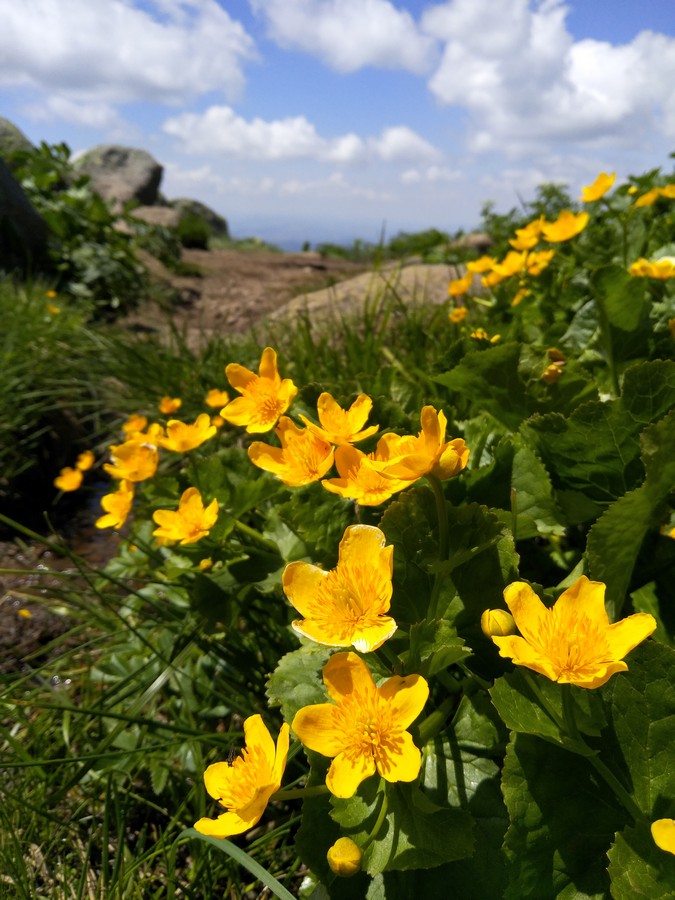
{"x":164,"y":216}
{"x":23,"y":231}
{"x":12,"y":139}
{"x":216,"y":223}
{"x":121,"y":174}
{"x":476,"y":240}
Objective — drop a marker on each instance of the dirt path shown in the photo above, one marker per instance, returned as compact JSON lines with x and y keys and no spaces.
{"x":238,"y":289}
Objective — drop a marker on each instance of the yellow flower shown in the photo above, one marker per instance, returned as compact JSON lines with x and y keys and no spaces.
{"x":668,"y":191}
{"x":599,"y":187}
{"x":342,"y":426}
{"x":648,"y":199}
{"x":302,"y":458}
{"x":497,"y":622}
{"x":566,"y":226}
{"x":460,"y":285}
{"x":245,"y":786}
{"x":520,"y":296}
{"x":512,"y":263}
{"x":51,"y":295}
{"x":53,"y":309}
{"x":492,"y":279}
{"x":552,"y":373}
{"x":458,"y":314}
{"x":656,"y":268}
{"x":536,"y":262}
{"x":409,"y":457}
{"x":190,"y":522}
{"x":134,"y":460}
{"x":24,"y":613}
{"x":85,"y":461}
{"x":168,"y":405}
{"x":205,"y":564}
{"x":68,"y":479}
{"x":134,"y":423}
{"x":573,"y":642}
{"x":480,"y":334}
{"x":528,"y":237}
{"x":359,"y":479}
{"x":182,"y":437}
{"x":365,"y":728}
{"x":347,"y":606}
{"x":663,"y":832}
{"x":216,"y":398}
{"x":265,"y":396}
{"x":480,"y":265}
{"x":117,"y":506}
{"x":217,"y":421}
{"x":344,"y":857}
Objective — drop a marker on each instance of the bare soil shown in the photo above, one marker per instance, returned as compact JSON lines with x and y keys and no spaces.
{"x":237,"y":290}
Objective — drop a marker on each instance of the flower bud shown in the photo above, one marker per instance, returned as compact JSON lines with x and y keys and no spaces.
{"x":344,"y":857}
{"x":497,"y":622}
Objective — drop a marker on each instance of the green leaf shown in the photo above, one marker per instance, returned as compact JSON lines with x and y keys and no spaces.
{"x":615,"y":539}
{"x":296,"y":681}
{"x":319,"y":519}
{"x":562,"y":823}
{"x":640,"y":869}
{"x":611,"y":429}
{"x":642,"y":717}
{"x":416,"y":833}
{"x":622,"y":297}
{"x":434,"y":645}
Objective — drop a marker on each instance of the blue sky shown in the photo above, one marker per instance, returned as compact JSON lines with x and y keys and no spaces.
{"x":328,"y":120}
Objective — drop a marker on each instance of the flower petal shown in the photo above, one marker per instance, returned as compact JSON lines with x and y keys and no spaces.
{"x":257,"y":735}
{"x":301,"y":582}
{"x":218,"y":779}
{"x":224,"y":826}
{"x":599,"y":676}
{"x":318,"y":730}
{"x":370,"y":637}
{"x":239,"y":376}
{"x":364,"y":545}
{"x":281,"y":754}
{"x":347,"y":772}
{"x":586,"y":598}
{"x":345,"y":673}
{"x":521,"y":653}
{"x":402,"y":762}
{"x":526,"y":608}
{"x":321,"y":632}
{"x":268,"y":365}
{"x":407,"y":696}
{"x":663,"y":832}
{"x":625,"y":635}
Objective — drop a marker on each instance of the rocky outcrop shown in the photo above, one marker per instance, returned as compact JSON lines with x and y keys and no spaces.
{"x":120,"y":174}
{"x":216,"y":223}
{"x":476,"y":240}
{"x":12,"y":139}
{"x":164,"y":216}
{"x":23,"y":232}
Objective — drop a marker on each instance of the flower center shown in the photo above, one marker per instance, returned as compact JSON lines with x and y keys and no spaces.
{"x":352,"y":597}
{"x":572,"y":642}
{"x":367,"y":723}
{"x":244,"y":778}
{"x":268,"y":405}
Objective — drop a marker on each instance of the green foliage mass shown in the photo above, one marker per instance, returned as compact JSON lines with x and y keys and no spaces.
{"x":562,"y":384}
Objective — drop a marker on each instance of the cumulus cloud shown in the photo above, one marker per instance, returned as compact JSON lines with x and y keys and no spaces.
{"x":161,"y":50}
{"x":349,"y":34}
{"x":220,"y":130}
{"x":525,"y":82}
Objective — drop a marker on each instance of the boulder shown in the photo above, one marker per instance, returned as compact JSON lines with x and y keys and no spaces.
{"x":12,"y":139}
{"x":23,"y":231}
{"x":216,"y":223}
{"x":476,"y":240}
{"x":120,"y":174}
{"x":164,"y":216}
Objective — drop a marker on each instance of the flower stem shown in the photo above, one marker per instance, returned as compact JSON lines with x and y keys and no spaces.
{"x":380,"y":817}
{"x":435,"y":721}
{"x":443,"y":541}
{"x":300,"y":793}
{"x":386,"y":653}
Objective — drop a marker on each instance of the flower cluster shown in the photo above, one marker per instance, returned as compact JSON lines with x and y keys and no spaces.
{"x":70,"y":478}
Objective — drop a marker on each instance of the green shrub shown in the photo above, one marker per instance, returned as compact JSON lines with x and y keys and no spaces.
{"x":194,"y":232}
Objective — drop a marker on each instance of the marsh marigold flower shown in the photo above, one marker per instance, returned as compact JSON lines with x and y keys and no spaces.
{"x":344,"y":857}
{"x":117,"y":506}
{"x":497,"y":622}
{"x":599,"y":187}
{"x":552,"y":373}
{"x":190,"y":522}
{"x":68,"y":479}
{"x":85,"y":461}
{"x":364,"y":729}
{"x":574,"y":641}
{"x":648,"y":198}
{"x":458,"y":314}
{"x":264,"y":397}
{"x":409,"y":457}
{"x":216,"y":398}
{"x":662,"y":268}
{"x":168,"y":405}
{"x":134,"y":460}
{"x":182,"y":437}
{"x":461,"y":285}
{"x":135,"y":423}
{"x":565,"y":227}
{"x":480,"y":265}
{"x":245,"y":786}
{"x":346,"y":607}
{"x":302,"y":458}
{"x":342,"y":426}
{"x":663,"y":832}
{"x":528,"y":237}
{"x":359,"y":479}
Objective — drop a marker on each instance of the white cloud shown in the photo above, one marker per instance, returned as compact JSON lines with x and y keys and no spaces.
{"x":349,"y":34}
{"x":526,"y":83}
{"x":430,"y":174}
{"x":123,"y":51}
{"x":220,"y":130}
